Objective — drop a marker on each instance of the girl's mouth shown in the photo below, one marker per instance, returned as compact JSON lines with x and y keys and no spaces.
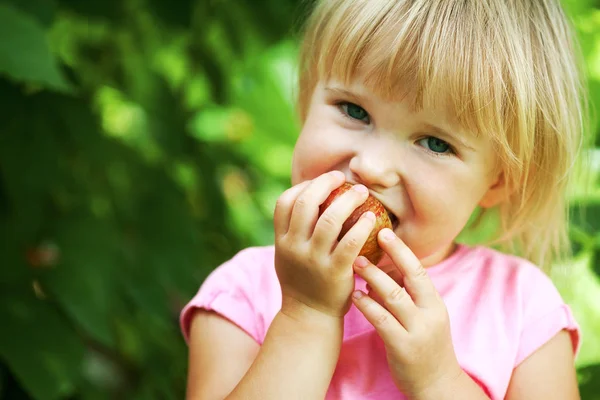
{"x":393,"y":219}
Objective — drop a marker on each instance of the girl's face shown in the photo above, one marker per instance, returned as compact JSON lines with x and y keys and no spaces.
{"x":420,"y":165}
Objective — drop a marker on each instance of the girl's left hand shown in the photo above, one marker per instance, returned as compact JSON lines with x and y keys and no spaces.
{"x":411,"y":319}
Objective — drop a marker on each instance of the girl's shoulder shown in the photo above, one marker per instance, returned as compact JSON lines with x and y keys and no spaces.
{"x":255,"y":260}
{"x":503,"y":277}
{"x":243,"y":289}
{"x":248,"y":267}
{"x":489,"y":263}
{"x":503,"y":290}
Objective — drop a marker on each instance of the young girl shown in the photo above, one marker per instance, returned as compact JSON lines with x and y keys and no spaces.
{"x":437,"y":108}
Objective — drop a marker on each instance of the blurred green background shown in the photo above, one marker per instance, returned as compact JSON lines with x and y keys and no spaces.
{"x":142,"y":143}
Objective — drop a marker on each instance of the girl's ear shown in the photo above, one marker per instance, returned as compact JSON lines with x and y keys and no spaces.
{"x":496,"y":194}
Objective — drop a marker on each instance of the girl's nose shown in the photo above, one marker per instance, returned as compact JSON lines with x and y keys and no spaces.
{"x":375,"y":167}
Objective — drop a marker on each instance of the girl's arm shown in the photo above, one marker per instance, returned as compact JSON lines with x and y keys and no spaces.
{"x":314,"y":268}
{"x":296,"y":360}
{"x":220,"y":353}
{"x":547,"y":374}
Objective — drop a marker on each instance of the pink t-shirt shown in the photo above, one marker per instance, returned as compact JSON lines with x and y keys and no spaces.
{"x":502,"y":308}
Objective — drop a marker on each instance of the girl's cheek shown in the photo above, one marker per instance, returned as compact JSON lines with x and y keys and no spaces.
{"x":432,"y":193}
{"x":313,"y":158}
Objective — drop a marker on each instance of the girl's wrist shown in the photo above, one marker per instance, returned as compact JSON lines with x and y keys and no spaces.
{"x":458,"y":385}
{"x":303,"y":313}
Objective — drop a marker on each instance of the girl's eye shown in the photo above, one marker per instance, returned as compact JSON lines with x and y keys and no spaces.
{"x":355,"y":112}
{"x":436,"y":145}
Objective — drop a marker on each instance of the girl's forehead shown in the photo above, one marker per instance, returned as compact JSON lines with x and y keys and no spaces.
{"x":442,"y":61}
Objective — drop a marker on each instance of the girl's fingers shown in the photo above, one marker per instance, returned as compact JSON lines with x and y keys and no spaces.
{"x":284,"y":206}
{"x":329,"y":225}
{"x":416,"y":280}
{"x":393,"y":296}
{"x":372,"y":294}
{"x":306,"y":207}
{"x":386,"y":325}
{"x":395,"y":275}
{"x":349,"y":246}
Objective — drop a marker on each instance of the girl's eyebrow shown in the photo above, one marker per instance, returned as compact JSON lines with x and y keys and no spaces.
{"x":345,"y":93}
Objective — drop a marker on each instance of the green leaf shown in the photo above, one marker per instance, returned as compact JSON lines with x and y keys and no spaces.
{"x":595,"y":262}
{"x":42,"y":10}
{"x":265,"y":87}
{"x":586,"y":216}
{"x":38,"y":345}
{"x":589,"y":382}
{"x":2,"y":379}
{"x":96,"y":9}
{"x":84,"y":282}
{"x":24,"y":52}
{"x":220,"y":124}
{"x":176,"y":14}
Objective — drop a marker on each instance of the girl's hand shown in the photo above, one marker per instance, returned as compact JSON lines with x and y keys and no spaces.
{"x":410,"y":318}
{"x":314,"y":270}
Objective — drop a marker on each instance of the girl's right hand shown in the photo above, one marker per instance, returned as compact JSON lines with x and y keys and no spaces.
{"x":314,"y":270}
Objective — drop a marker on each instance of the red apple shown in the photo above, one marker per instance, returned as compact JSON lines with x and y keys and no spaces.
{"x":371,"y":249}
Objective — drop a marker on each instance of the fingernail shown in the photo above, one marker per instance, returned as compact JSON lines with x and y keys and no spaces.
{"x":370,"y":215}
{"x":357,"y":294}
{"x":360,"y":188}
{"x":337,"y":174}
{"x":361,"y":262}
{"x":387,"y":234}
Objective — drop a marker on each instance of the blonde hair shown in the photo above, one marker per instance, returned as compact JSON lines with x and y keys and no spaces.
{"x":508,"y":69}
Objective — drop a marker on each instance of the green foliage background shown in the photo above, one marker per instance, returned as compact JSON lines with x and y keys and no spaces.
{"x":142,"y":143}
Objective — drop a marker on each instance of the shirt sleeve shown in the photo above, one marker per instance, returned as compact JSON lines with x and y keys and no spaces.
{"x":545,"y":314}
{"x":228,"y":291}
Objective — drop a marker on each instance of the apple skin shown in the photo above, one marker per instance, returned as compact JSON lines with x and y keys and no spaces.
{"x":371,"y":249}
